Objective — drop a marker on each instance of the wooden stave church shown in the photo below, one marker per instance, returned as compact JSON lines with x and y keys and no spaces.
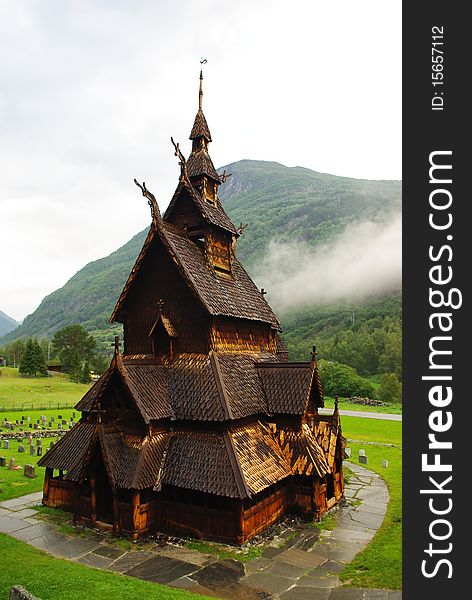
{"x":201,"y":427}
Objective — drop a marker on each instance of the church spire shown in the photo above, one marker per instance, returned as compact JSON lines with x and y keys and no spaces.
{"x":199,"y":164}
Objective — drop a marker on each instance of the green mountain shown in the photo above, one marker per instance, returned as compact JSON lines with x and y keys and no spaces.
{"x":7,"y":324}
{"x":278,"y":203}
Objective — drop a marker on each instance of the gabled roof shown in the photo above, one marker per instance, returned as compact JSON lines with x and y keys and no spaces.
{"x":303,"y":452}
{"x":212,"y":214}
{"x":234,"y":296}
{"x":132,"y":461}
{"x":146,"y":385}
{"x":287,"y":385}
{"x":166,"y":323}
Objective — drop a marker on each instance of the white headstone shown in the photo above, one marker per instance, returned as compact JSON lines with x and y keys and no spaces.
{"x":361,"y":452}
{"x":385,"y":463}
{"x":348,"y":452}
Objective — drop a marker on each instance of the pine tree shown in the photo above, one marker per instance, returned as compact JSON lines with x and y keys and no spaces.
{"x":27,"y":359}
{"x":32,"y":360}
{"x":39,"y":359}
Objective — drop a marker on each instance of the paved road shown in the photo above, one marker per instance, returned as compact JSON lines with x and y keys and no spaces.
{"x":364,"y":415}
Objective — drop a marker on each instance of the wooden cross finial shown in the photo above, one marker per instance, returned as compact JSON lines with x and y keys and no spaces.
{"x":263,"y":292}
{"x":336,"y":402}
{"x":313,"y":353}
{"x":99,"y":412}
{"x":116,"y":344}
{"x":242,"y":228}
{"x":224,"y":176}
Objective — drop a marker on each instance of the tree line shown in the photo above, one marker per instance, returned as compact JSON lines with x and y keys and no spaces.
{"x":71,"y":347}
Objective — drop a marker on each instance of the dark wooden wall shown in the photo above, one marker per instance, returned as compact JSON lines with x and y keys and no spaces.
{"x":160,"y":279}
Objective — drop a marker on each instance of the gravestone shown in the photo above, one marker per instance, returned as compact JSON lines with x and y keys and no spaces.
{"x":73,"y":414}
{"x":52,"y":419}
{"x":28,"y":419}
{"x":59,"y":425}
{"x":348,"y":452}
{"x":361,"y":452}
{"x":59,"y":416}
{"x":51,"y":444}
{"x":21,"y":448}
{"x":64,"y":422}
{"x":32,"y":450}
{"x":39,"y":451}
{"x":30,"y":425}
{"x":363,"y":459}
{"x":39,"y":442}
{"x":23,"y":418}
{"x":3,"y":461}
{"x":11,"y":464}
{"x":385,"y":463}
{"x":29,"y":471}
{"x":30,"y":439}
{"x":6,"y":444}
{"x":35,"y":426}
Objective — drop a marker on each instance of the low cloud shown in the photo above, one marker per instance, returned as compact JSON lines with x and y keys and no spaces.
{"x":364,"y":260}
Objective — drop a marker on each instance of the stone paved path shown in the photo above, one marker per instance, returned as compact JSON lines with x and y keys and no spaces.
{"x":298,"y":564}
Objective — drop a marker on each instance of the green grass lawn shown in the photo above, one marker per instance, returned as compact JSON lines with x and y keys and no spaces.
{"x":52,"y":578}
{"x":14,"y":483}
{"x":26,"y":393}
{"x":372,"y":430}
{"x":380,"y":564}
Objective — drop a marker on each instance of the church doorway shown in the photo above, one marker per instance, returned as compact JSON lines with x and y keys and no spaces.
{"x":104,"y":494}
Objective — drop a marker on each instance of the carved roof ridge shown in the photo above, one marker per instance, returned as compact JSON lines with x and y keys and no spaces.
{"x":222,"y":392}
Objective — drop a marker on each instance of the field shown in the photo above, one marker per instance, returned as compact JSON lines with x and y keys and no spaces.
{"x":26,"y":393}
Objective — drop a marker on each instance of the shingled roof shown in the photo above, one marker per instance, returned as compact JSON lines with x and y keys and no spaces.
{"x":133,"y":462}
{"x":200,"y":163}
{"x":146,"y":385}
{"x":214,"y":214}
{"x":286,"y":385}
{"x":210,"y":387}
{"x":71,"y":451}
{"x":236,"y":464}
{"x":200,"y":127}
{"x":302,"y":451}
{"x":235,"y":296}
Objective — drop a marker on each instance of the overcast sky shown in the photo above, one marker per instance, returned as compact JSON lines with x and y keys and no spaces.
{"x":92,"y":90}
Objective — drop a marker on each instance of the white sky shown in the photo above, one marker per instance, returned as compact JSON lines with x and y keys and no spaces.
{"x":91,"y":92}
